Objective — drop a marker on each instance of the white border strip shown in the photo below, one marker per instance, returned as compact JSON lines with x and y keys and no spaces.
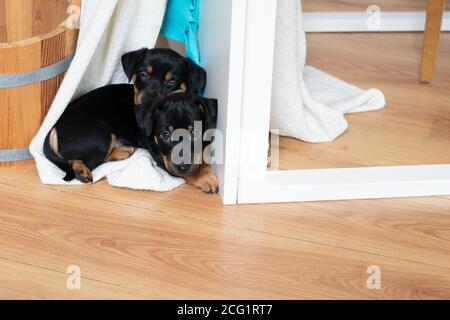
{"x":348,"y":184}
{"x":357,"y":22}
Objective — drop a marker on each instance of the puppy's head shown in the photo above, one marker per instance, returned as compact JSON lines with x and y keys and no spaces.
{"x":174,"y":127}
{"x":160,"y":72}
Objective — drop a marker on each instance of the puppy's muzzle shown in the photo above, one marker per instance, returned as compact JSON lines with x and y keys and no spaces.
{"x":184,"y":169}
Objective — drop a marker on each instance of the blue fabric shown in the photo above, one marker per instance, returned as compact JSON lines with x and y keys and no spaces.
{"x":181,"y":24}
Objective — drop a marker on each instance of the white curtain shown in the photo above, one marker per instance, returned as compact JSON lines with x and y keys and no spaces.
{"x":309,"y":104}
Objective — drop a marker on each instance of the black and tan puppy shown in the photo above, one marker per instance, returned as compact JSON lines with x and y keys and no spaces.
{"x":101,"y":126}
{"x":173,"y":130}
{"x":98,"y":127}
{"x":159,"y":72}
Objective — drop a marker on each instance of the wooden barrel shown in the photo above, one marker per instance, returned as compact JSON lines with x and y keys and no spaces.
{"x":36,"y":47}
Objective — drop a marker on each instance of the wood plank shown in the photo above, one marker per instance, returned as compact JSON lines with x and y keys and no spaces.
{"x":22,"y":19}
{"x":3,"y":32}
{"x":171,"y":246}
{"x":19,"y":19}
{"x":47,"y":15}
{"x":19,"y":280}
{"x":435,"y":10}
{"x":71,"y":38}
{"x":48,"y":90}
{"x":414,"y":127}
{"x":53,"y":50}
{"x":307,"y":221}
{"x":22,"y":103}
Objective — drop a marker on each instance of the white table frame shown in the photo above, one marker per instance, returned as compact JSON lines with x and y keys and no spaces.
{"x":394,"y":21}
{"x":245,"y":107}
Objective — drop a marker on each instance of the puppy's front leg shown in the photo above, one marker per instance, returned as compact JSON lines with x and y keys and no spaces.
{"x":204,"y":179}
{"x":81,"y":171}
{"x":120,"y":153}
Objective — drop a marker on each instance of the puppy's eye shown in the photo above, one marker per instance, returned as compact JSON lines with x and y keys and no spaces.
{"x":165,"y":135}
{"x":143,"y":74}
{"x":172,"y":83}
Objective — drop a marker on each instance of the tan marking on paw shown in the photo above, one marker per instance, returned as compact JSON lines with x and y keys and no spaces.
{"x":82,"y":172}
{"x":204,"y":179}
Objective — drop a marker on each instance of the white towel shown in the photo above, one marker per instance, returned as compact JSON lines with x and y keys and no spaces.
{"x":109,"y":28}
{"x":309,"y":104}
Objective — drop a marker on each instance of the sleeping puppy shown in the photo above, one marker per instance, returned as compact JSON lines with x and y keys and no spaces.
{"x":113,"y":128}
{"x":98,"y":127}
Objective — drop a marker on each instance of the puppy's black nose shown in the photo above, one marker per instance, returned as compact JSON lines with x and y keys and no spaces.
{"x":183,"y":167}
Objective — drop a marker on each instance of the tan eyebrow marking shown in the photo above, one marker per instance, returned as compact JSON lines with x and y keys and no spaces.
{"x":168,"y":76}
{"x":190,"y":128}
{"x":171,"y":129}
{"x":149,"y":69}
{"x":183,"y":87}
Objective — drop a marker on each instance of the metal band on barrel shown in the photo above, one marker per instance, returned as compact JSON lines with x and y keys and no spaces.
{"x":14,"y":80}
{"x":15,"y":155}
{"x":23,"y":79}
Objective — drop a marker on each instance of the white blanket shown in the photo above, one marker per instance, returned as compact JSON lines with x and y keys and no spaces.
{"x":109,"y":28}
{"x":309,"y":104}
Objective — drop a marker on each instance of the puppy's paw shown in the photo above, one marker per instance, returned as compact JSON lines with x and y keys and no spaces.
{"x":205,"y":180}
{"x":81,"y":171}
{"x":84,"y":175}
{"x":208,"y":183}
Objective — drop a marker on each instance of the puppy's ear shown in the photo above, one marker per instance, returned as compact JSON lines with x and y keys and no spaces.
{"x":130,"y":61}
{"x":146,"y":122}
{"x":197,"y":79}
{"x":209,"y":109}
{"x":145,"y":114}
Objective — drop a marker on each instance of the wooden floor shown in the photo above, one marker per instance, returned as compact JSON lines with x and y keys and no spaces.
{"x":413,"y":128}
{"x":185,"y":244}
